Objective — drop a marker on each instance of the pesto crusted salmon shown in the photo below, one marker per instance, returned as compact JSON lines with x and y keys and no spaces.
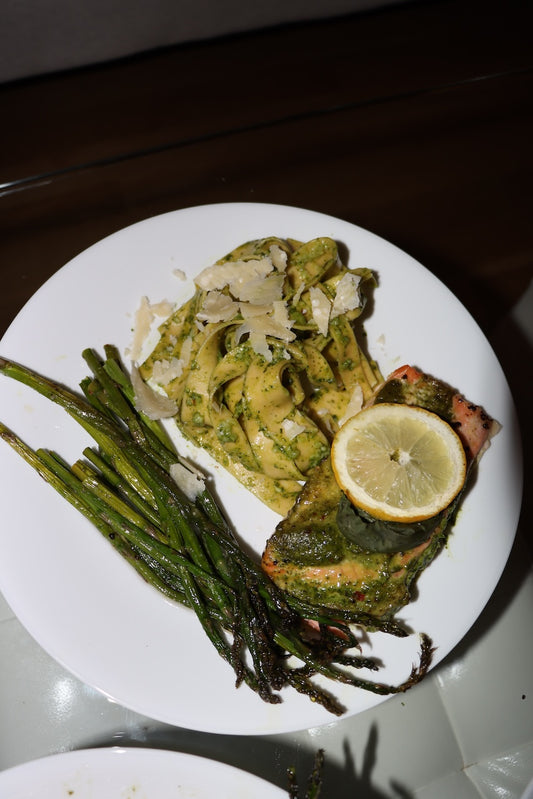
{"x":332,"y":554}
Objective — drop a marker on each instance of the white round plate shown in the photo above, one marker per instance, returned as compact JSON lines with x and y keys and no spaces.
{"x":117,"y":773}
{"x":87,"y":607}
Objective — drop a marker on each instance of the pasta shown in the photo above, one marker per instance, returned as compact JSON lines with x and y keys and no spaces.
{"x":263,"y":362}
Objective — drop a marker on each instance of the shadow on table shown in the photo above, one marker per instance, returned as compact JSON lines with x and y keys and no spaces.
{"x":270,"y":759}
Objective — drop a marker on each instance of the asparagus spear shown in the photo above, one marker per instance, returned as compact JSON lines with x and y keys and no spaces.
{"x":314,"y":782}
{"x":185,"y":547}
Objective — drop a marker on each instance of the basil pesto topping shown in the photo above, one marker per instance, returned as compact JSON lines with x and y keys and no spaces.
{"x":375,"y":535}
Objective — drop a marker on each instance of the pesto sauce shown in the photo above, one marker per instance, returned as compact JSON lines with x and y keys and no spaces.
{"x":381,"y":596}
{"x":347,"y":575}
{"x":347,"y":365}
{"x":322,"y":450}
{"x":309,"y":546}
{"x":375,"y":535}
{"x":192,"y":398}
{"x":226,"y":433}
{"x":430,"y":394}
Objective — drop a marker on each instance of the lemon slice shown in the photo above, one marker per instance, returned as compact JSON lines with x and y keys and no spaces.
{"x":398,"y":462}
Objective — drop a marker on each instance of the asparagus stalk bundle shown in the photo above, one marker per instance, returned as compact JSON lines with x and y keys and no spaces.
{"x":185,"y":548}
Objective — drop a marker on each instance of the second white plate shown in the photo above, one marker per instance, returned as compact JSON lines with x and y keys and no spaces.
{"x":117,"y":773}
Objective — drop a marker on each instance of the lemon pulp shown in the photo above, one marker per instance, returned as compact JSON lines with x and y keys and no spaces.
{"x":398,"y":462}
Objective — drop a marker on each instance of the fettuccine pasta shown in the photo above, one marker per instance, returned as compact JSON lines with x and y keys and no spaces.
{"x":262,"y":362}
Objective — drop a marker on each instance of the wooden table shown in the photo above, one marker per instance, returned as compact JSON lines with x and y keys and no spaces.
{"x":414,"y":122}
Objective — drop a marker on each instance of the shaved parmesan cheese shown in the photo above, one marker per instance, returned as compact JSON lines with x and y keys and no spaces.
{"x":347,"y":297}
{"x":186,"y":349}
{"x":163,"y":308}
{"x":260,"y":345}
{"x":233,"y":273}
{"x":267,"y":326}
{"x":180,"y":274}
{"x":278,"y":258}
{"x":165,"y":371}
{"x":320,"y":307}
{"x":259,"y":290}
{"x":148,"y":401}
{"x":280,"y":313}
{"x":190,"y":482}
{"x":217,"y":307}
{"x":143,"y":321}
{"x":355,"y":403}
{"x":292,"y":428}
{"x":144,"y":318}
{"x":249,"y":311}
{"x":253,"y":291}
{"x":323,"y":413}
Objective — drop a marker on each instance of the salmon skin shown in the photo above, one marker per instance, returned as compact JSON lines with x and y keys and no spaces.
{"x":328,"y":553}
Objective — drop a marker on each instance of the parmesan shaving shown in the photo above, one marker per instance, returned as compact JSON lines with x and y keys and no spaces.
{"x":144,"y":318}
{"x":217,"y":307}
{"x":298,"y":293}
{"x":355,"y":403}
{"x":278,"y":257}
{"x":291,"y":428}
{"x":347,"y":297}
{"x":280,"y":313}
{"x":260,"y":345}
{"x":163,"y":308}
{"x":320,"y":307}
{"x":165,"y":371}
{"x":147,"y":401}
{"x":190,"y":482}
{"x":259,"y":290}
{"x":186,"y":350}
{"x":267,"y":326}
{"x":233,"y":274}
{"x":143,"y":321}
{"x":249,"y":311}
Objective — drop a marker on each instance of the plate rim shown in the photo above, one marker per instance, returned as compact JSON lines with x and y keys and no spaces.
{"x":214,"y":207}
{"x":17,"y":777}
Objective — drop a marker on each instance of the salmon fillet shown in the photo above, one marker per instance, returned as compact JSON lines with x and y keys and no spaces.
{"x":313,"y":553}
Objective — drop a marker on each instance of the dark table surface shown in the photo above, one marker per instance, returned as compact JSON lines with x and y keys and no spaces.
{"x":414,"y":122}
